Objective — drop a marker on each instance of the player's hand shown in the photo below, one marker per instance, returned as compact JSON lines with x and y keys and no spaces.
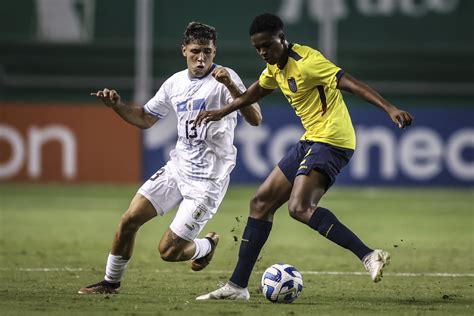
{"x":109,"y":97}
{"x":401,"y":118}
{"x":222,"y":75}
{"x":206,"y":116}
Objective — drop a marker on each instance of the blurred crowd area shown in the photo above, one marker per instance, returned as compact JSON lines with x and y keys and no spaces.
{"x":417,"y":51}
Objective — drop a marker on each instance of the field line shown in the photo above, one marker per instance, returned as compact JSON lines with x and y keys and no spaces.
{"x":395,"y":274}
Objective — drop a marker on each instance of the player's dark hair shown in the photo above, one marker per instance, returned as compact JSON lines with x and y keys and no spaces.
{"x":266,"y":23}
{"x":199,"y":33}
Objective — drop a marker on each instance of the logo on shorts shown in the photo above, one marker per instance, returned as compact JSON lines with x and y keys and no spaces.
{"x":199,"y":212}
{"x":292,"y":84}
{"x":190,"y":227}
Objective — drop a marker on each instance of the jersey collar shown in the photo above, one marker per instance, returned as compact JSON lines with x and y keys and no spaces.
{"x":207,"y":74}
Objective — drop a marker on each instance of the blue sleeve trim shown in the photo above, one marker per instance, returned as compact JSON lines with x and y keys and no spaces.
{"x":147,"y":108}
{"x":339,"y":74}
{"x":322,"y":96}
{"x":293,"y":54}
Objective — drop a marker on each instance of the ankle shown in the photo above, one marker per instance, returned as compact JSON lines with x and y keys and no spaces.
{"x":112,"y":284}
{"x":232,"y":284}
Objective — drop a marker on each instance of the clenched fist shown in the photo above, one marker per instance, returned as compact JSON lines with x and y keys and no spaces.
{"x":222,"y":75}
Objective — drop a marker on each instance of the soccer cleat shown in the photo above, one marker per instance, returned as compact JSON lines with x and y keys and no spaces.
{"x":375,"y":262}
{"x":103,"y":287}
{"x":201,"y":263}
{"x":227,"y":291}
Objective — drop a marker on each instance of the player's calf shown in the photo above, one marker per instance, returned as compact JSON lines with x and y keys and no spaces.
{"x":173,"y":248}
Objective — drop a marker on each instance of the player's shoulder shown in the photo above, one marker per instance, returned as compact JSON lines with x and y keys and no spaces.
{"x":177,"y":76}
{"x":303,"y":52}
{"x":175,"y":79}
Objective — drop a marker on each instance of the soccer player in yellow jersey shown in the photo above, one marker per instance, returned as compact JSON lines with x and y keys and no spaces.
{"x":312,"y":85}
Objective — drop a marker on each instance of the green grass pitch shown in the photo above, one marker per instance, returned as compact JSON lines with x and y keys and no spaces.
{"x":54,"y":239}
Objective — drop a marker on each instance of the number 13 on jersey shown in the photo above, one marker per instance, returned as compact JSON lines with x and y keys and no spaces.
{"x":191,"y":131}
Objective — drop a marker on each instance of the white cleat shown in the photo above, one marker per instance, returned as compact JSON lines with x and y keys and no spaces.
{"x":375,"y":262}
{"x":227,"y":291}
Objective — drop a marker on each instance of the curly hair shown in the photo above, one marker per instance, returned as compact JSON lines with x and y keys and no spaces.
{"x":199,"y":33}
{"x":266,"y":23}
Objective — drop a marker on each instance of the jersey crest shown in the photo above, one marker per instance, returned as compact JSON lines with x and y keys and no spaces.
{"x":292,"y":85}
{"x":189,"y":105}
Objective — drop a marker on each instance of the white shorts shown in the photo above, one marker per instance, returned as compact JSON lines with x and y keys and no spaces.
{"x":198,"y":200}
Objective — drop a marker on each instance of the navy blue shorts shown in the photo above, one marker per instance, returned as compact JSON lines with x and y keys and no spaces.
{"x":306,"y":156}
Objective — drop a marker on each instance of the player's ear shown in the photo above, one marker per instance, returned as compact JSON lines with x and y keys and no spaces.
{"x":183,"y":50}
{"x":282,"y":37}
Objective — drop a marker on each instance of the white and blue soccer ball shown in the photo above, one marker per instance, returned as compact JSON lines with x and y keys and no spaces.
{"x":281,"y":283}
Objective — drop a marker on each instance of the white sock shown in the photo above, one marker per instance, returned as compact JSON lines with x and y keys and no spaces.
{"x":115,"y":268}
{"x":203,"y":247}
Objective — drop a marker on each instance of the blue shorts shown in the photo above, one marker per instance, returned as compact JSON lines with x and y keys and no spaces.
{"x":306,"y":156}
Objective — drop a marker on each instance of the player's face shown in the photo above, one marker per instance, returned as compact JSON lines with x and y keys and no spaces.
{"x":271,"y":47}
{"x":199,"y":57}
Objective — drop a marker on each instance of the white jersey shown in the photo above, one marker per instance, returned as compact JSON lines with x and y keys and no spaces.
{"x":206,"y":151}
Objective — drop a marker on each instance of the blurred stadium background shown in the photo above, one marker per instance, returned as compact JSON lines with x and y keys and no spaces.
{"x":418,"y":54}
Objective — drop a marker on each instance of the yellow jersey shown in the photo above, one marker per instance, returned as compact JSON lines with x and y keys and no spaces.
{"x":309,"y":82}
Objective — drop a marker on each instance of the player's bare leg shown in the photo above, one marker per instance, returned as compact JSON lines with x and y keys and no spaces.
{"x":174,"y":248}
{"x":139,"y":212}
{"x":200,"y":251}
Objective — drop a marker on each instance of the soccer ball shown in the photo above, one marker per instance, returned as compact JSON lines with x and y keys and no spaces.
{"x":281,"y":283}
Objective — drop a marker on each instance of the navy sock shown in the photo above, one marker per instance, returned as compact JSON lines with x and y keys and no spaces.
{"x":254,"y":237}
{"x":327,"y":224}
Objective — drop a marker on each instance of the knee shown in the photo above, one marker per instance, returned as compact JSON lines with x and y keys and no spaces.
{"x":260,"y":208}
{"x":299,"y":211}
{"x":130,"y":221}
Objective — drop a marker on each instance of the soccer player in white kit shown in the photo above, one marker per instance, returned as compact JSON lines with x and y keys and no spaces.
{"x":197,"y":175}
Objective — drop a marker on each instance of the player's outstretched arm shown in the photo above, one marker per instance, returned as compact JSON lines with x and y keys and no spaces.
{"x":251,"y":113}
{"x":363,"y":91}
{"x":254,"y":93}
{"x":134,"y":115}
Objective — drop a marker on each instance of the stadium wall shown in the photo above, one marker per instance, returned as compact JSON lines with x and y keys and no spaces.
{"x":438,"y":150}
{"x":80,"y":143}
{"x":58,"y":143}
